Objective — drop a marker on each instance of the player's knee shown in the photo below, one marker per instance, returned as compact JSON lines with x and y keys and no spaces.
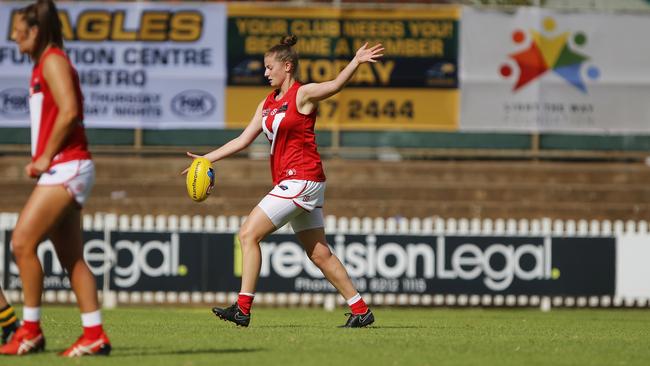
{"x":248,"y":236}
{"x":320,"y":258}
{"x":22,"y":244}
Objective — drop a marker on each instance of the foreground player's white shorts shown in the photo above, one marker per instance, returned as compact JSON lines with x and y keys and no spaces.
{"x":297,"y":201}
{"x":77,"y":176}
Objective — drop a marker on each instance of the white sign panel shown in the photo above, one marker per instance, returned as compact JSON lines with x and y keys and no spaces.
{"x":543,"y":70}
{"x":140,"y":64}
{"x":632,"y":269}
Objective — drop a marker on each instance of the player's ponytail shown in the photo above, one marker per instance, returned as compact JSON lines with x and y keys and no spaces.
{"x":284,"y":52}
{"x":44,"y":15}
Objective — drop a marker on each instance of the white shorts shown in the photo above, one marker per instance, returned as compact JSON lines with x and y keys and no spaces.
{"x":77,"y":176}
{"x":297,"y":201}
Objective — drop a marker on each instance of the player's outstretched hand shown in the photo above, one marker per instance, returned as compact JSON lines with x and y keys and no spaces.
{"x":365,"y":54}
{"x":191,"y":156}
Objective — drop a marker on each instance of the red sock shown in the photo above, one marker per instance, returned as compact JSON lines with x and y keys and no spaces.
{"x":359,"y":307}
{"x":32,"y":327}
{"x":93,"y":332}
{"x":245,"y":302}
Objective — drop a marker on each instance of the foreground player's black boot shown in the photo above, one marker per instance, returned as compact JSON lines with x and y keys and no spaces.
{"x":359,"y":320}
{"x":233,"y":314}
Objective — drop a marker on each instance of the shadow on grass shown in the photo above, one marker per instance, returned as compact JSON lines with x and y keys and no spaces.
{"x":395,"y":327}
{"x":290,"y":326}
{"x":128,"y":352}
{"x":305,"y":326}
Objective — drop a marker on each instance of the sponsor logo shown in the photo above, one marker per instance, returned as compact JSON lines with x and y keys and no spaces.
{"x":118,"y":25}
{"x":283,"y":187}
{"x":14,"y":102}
{"x":128,"y":260}
{"x":549,"y":51}
{"x":249,"y":71}
{"x":211,"y":177}
{"x":441,"y":74}
{"x":364,"y":318}
{"x":239,"y":317}
{"x":193,"y":104}
{"x":131,"y":259}
{"x":497,"y":265}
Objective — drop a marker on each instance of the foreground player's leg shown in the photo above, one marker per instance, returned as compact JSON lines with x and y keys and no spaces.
{"x":69,"y":248}
{"x":255,"y":228}
{"x":43,"y":210}
{"x":313,"y":240}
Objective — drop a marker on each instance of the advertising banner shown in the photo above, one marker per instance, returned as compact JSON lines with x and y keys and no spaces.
{"x":142,"y":261}
{"x":55,"y":277}
{"x":549,"y":71}
{"x":412,"y":264}
{"x":449,"y":265}
{"x":414,"y":86}
{"x":142,"y":65}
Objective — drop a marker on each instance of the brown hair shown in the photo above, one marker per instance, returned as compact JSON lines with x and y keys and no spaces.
{"x":44,"y":15}
{"x":284,"y":52}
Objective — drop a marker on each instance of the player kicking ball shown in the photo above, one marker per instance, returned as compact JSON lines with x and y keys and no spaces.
{"x":287,"y":117}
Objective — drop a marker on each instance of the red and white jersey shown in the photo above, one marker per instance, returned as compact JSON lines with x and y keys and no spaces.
{"x":294,"y":154}
{"x":43,"y":112}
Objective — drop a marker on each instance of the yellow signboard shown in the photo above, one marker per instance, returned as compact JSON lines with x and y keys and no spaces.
{"x":413,"y":87}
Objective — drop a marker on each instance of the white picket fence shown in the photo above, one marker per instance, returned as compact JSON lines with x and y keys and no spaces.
{"x":354,"y":225}
{"x":365,"y":225}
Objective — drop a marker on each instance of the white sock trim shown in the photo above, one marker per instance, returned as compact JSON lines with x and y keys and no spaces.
{"x":32,"y":314}
{"x":247,"y":294}
{"x":91,"y":319}
{"x":354,"y":299}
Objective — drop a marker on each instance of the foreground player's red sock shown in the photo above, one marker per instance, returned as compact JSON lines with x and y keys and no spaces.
{"x":32,"y":319}
{"x":245,"y":302}
{"x":32,"y":327}
{"x":357,"y":305}
{"x":93,"y":332}
{"x":92,"y":324}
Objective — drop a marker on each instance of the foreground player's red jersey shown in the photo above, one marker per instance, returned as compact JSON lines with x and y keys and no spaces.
{"x":43,"y":112}
{"x":294,"y":154}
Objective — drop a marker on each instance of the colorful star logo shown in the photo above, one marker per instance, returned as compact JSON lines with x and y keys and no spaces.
{"x":549,"y":53}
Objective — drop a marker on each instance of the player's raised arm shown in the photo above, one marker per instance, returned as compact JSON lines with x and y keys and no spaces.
{"x":314,"y":92}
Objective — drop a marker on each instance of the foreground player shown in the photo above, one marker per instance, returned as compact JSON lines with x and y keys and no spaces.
{"x":61,"y":163}
{"x":8,"y":320}
{"x":287,"y":117}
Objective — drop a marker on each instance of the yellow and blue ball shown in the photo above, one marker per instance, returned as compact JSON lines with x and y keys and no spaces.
{"x":200,"y":179}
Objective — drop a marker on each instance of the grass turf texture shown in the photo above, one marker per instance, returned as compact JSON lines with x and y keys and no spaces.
{"x":193,"y":336}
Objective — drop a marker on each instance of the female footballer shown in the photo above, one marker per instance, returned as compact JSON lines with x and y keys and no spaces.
{"x":287,"y":117}
{"x":62,"y":166}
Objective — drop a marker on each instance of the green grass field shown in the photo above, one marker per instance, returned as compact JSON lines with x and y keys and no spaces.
{"x":193,"y":336}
